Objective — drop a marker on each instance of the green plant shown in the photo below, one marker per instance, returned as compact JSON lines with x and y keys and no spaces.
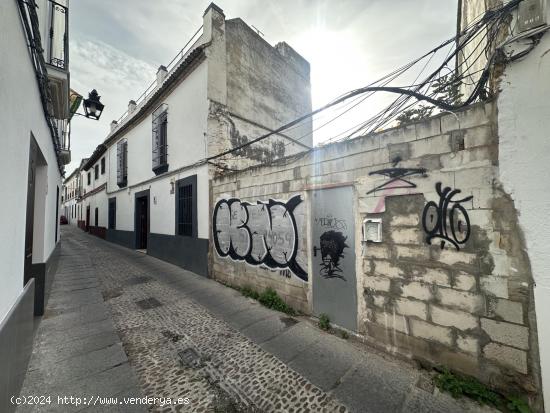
{"x":472,"y":388}
{"x":516,"y":404}
{"x":324,"y":322}
{"x":271,"y":299}
{"x":466,"y":386}
{"x":247,"y":291}
{"x":344,"y":334}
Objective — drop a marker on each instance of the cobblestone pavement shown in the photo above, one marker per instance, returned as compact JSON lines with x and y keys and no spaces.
{"x":186,"y":336}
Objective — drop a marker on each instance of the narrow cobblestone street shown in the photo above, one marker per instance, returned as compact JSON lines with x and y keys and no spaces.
{"x":185,"y":336}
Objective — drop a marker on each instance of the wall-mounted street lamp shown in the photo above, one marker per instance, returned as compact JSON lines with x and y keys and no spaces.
{"x":92,"y":106}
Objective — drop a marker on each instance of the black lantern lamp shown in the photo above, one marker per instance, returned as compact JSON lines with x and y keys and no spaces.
{"x":92,"y":106}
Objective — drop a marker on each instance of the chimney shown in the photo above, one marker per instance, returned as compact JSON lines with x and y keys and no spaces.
{"x":114,"y":124}
{"x":161,"y":74}
{"x":131,"y":106}
{"x":213,"y":22}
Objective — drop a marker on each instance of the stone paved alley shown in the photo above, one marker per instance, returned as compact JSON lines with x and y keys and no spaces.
{"x":120,"y":324}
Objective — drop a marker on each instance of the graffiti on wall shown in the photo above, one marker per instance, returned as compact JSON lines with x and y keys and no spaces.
{"x":259,"y":234}
{"x":447,"y":220}
{"x":332,"y":222}
{"x":397,"y":178}
{"x":332,"y":248}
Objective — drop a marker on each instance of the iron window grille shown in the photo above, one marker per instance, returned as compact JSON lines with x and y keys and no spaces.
{"x":160,"y":140}
{"x":58,"y":35}
{"x":122,"y":163}
{"x":89,"y":178}
{"x":186,"y":207}
{"x":102,"y":166}
{"x":96,"y":172}
{"x":112,"y":213}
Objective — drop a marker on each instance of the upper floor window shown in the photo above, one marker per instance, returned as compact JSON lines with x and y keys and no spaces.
{"x":96,"y":171}
{"x":122,"y":163}
{"x":160,"y":139}
{"x":102,"y":166}
{"x":89,"y":178}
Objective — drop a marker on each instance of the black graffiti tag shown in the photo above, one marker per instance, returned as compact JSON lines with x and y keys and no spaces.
{"x":397,"y":175}
{"x":332,"y":249}
{"x":332,"y":222}
{"x":260,"y":234}
{"x":445,"y":222}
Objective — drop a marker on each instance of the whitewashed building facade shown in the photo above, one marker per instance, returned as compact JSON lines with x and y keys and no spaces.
{"x":34,"y":116}
{"x":147,"y":185}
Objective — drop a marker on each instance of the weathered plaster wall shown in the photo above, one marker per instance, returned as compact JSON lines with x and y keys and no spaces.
{"x":524,"y":150}
{"x":465,"y":306}
{"x":265,"y":88}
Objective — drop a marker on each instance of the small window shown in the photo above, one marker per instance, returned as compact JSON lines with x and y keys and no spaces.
{"x":89,"y":178}
{"x":122,"y":163}
{"x":102,"y":166}
{"x":160,"y":140}
{"x":112,"y":213}
{"x":96,"y":170}
{"x":186,"y":207}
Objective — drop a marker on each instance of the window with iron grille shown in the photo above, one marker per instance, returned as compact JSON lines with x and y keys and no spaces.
{"x":122,"y":163}
{"x":186,"y":207}
{"x":96,"y":170}
{"x":102,"y":166}
{"x":112,"y":213}
{"x":89,"y":178}
{"x":160,"y":140}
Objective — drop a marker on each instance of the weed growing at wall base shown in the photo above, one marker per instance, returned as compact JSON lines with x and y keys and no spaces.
{"x":472,"y":388}
{"x":324,"y":322}
{"x":268,"y":298}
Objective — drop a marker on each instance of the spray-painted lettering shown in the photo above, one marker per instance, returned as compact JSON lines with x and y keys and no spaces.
{"x":261,"y":234}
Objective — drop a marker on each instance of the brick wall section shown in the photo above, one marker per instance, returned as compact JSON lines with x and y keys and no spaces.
{"x":468,"y":309}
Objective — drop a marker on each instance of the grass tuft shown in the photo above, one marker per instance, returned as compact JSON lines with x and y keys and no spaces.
{"x":324,"y":322}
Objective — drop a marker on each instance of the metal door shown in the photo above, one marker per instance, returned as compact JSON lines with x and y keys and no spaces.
{"x":333,"y":242}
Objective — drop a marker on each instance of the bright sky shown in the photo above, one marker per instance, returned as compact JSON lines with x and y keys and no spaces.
{"x":117,"y":46}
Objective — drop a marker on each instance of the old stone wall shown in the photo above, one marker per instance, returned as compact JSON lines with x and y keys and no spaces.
{"x":448,"y":283}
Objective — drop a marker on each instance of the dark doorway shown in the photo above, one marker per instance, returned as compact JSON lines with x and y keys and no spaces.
{"x":88,"y":218}
{"x":29,"y":226}
{"x":142,"y":219}
{"x":56,"y":214}
{"x":96,"y":220}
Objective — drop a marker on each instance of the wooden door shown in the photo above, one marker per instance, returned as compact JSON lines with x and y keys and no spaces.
{"x":29,"y":226}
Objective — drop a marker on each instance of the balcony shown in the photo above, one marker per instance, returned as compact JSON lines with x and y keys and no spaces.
{"x":63,"y":127}
{"x":56,"y":52}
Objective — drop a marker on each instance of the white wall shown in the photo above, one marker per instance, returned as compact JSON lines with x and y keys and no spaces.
{"x":20,"y":114}
{"x":524,"y":155}
{"x":187,"y":115}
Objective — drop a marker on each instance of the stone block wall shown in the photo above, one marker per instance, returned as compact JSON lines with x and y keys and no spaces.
{"x":450,"y":282}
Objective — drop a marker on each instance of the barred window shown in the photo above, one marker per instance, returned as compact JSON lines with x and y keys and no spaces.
{"x":102,"y":165}
{"x":160,"y":139}
{"x":112,"y":213}
{"x":186,"y":207}
{"x":122,"y":163}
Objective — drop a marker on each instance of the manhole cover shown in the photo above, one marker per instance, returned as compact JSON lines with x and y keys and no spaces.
{"x":190,"y":358}
{"x":148,"y":303}
{"x":138,"y":280}
{"x":172,"y":336}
